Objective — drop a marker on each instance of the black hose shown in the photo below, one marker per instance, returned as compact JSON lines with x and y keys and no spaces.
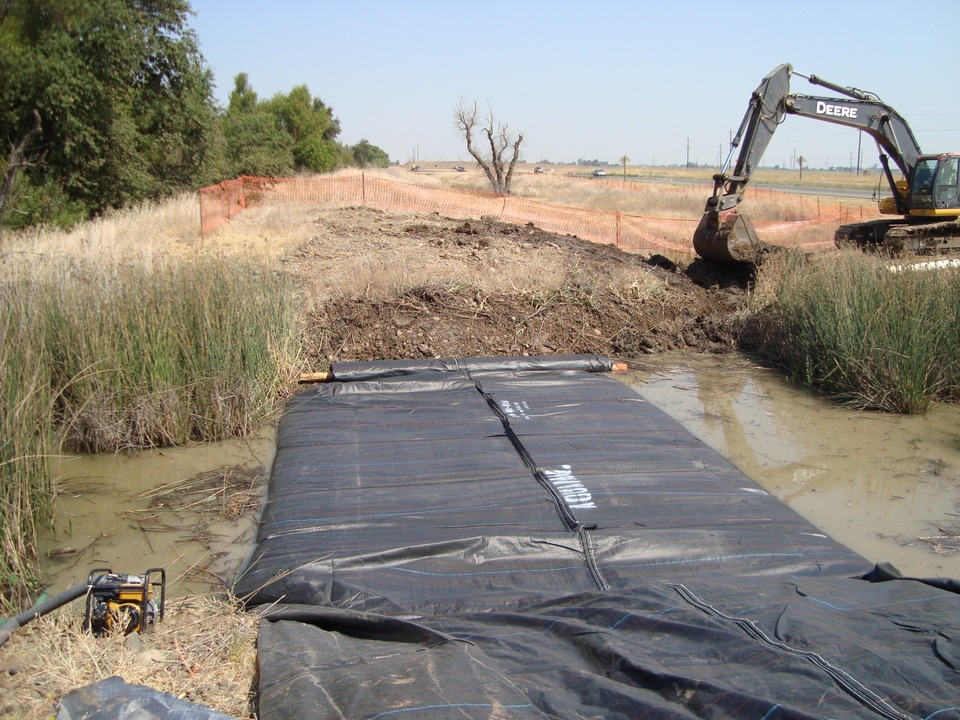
{"x":41,"y":608}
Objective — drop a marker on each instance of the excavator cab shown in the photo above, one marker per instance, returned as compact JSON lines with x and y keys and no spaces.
{"x":935,"y":190}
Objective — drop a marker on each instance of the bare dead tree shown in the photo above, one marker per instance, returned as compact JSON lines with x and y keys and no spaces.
{"x":18,"y":160}
{"x":494,"y":165}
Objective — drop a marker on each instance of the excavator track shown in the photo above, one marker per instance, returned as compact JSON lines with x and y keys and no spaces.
{"x":895,"y":237}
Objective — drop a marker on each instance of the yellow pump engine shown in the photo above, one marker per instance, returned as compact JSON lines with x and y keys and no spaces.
{"x":124,"y":603}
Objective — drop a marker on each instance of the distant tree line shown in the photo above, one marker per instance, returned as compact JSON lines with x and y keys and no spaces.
{"x":104,"y":103}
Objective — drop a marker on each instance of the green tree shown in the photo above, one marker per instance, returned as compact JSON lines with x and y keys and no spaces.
{"x":312,"y":126}
{"x":256,"y":144}
{"x":243,"y":98}
{"x":124,"y":99}
{"x":368,"y":155}
{"x":289,"y":132}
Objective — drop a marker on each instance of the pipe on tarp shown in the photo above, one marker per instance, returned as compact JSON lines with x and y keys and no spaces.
{"x":41,"y":608}
{"x":352,"y":371}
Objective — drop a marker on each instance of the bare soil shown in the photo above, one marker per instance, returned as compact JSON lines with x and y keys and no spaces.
{"x":397,"y":286}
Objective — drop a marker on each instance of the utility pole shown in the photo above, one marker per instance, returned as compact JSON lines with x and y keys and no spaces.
{"x":688,"y":153}
{"x":859,"y":140}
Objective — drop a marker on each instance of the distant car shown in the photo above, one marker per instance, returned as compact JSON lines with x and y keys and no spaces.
{"x":538,"y":170}
{"x":600,"y":173}
{"x":459,"y":168}
{"x":415,"y":168}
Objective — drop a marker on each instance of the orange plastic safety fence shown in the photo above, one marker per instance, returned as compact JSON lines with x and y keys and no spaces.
{"x":219,"y":203}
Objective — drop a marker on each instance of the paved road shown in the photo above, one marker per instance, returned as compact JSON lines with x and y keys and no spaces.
{"x":795,"y":189}
{"x":823,"y":192}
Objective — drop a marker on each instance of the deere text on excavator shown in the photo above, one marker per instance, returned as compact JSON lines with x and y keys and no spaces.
{"x":924,"y":203}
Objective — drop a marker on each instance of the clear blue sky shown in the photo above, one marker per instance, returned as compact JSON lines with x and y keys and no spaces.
{"x":591,"y":79}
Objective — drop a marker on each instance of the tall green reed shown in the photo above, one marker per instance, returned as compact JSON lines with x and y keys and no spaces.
{"x":198,"y":350}
{"x":26,"y":443}
{"x":868,"y":336}
{"x":134,"y":356}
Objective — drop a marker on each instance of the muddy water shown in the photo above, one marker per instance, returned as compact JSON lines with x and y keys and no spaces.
{"x":886,"y":486}
{"x":881,"y":484}
{"x":106,"y":517}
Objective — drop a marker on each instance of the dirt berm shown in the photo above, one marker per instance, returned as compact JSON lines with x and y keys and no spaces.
{"x":394,"y":286}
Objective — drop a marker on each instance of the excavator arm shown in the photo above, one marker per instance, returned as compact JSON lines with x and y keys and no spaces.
{"x":727,"y":236}
{"x":723,"y":234}
{"x":765,"y":112}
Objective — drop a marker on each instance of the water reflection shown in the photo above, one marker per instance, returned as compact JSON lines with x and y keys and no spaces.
{"x":887,"y":486}
{"x":106,"y":516}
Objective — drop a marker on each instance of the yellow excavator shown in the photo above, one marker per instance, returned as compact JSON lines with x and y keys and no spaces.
{"x":924,"y":199}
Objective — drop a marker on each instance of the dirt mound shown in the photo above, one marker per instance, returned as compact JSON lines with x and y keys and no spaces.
{"x":390,"y":286}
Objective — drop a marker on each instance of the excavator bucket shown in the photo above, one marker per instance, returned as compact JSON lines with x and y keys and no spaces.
{"x":730,"y":240}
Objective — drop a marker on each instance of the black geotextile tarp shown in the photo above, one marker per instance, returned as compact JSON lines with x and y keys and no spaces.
{"x":528,"y":543}
{"x":115,"y":699}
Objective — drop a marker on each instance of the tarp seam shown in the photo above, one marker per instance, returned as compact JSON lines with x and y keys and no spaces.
{"x":569,"y":520}
{"x":845,"y":680}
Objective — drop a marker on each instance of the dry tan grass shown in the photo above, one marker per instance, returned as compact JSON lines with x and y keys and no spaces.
{"x":149,"y":235}
{"x":204,"y":651}
{"x":136,"y":234}
{"x":166,"y":231}
{"x":381,"y":278}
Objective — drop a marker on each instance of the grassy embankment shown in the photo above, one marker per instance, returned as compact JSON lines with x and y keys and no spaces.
{"x":108,"y":344}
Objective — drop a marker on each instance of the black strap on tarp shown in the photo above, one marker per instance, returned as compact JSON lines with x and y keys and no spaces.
{"x":570,"y":520}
